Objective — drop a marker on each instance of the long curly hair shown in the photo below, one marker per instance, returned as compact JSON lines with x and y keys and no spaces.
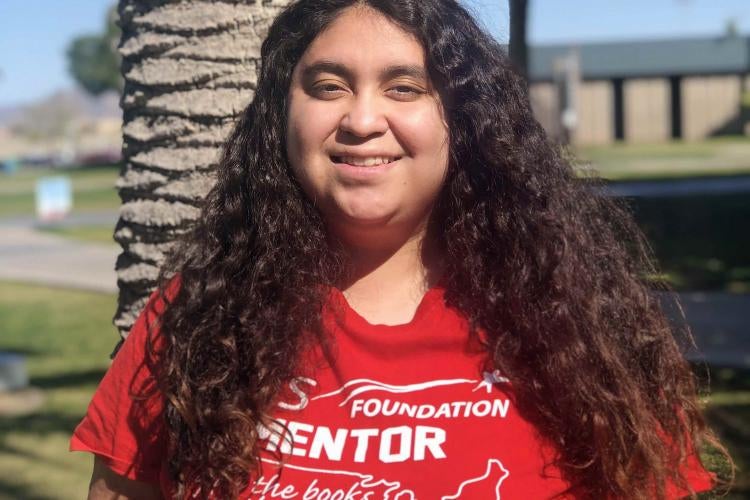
{"x":553,"y":271}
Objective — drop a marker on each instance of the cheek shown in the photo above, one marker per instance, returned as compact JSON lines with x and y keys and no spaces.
{"x":435,"y":141}
{"x":300,"y":141}
{"x":424,"y":131}
{"x":306,"y":137}
{"x":305,"y":141}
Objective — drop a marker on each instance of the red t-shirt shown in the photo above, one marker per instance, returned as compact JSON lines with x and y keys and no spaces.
{"x":399,"y":412}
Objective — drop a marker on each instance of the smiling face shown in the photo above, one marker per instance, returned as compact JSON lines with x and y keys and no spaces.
{"x":366,"y":136}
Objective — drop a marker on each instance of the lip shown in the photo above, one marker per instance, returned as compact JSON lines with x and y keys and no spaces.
{"x":363,"y":172}
{"x":364,"y":154}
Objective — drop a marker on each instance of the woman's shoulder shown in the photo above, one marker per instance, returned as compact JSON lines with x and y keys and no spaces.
{"x":124,"y":424}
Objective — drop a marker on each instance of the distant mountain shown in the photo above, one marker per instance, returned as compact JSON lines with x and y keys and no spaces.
{"x":85,"y":106}
{"x":8,"y":114}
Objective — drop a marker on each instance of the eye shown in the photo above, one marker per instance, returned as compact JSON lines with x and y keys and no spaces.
{"x":327,"y":88}
{"x":405,"y":91}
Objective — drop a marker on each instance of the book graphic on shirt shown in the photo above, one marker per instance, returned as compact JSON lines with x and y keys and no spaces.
{"x":368,"y":439}
{"x":364,"y":486}
{"x":485,"y":486}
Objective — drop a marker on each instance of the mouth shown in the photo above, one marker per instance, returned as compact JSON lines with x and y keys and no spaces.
{"x":364,"y":162}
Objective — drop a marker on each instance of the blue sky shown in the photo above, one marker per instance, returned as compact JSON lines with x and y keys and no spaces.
{"x":35,"y":33}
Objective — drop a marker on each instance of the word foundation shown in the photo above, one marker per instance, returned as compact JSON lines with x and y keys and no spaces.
{"x":454,"y":409}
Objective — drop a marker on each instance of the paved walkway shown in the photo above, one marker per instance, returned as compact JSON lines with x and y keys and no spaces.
{"x":720,"y":322}
{"x":32,"y":256}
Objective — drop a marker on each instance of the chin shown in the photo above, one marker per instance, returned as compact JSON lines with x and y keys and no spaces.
{"x":367,"y":219}
{"x":361,"y":210}
{"x":343,"y":218}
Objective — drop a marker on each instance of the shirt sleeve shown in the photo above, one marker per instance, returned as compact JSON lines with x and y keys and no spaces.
{"x":124,"y":423}
{"x":699,"y":479}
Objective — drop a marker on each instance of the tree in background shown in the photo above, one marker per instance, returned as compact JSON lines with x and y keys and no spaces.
{"x":189,"y":69}
{"x":519,"y":47}
{"x":93,"y":60}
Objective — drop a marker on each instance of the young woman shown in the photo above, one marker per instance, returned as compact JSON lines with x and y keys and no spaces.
{"x":398,"y":290}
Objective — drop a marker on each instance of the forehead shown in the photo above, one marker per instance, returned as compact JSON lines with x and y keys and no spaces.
{"x":363,"y":39}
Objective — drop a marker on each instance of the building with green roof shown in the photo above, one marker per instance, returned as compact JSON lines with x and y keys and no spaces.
{"x":642,"y":91}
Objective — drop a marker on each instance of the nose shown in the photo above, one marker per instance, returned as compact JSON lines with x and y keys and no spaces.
{"x":364,"y":117}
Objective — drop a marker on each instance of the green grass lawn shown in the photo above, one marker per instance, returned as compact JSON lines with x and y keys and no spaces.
{"x":93,"y":189}
{"x":67,"y":337}
{"x":728,"y":413}
{"x":678,"y":159}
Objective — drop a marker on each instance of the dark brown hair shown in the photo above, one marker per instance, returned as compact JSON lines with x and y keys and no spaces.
{"x":553,"y":270}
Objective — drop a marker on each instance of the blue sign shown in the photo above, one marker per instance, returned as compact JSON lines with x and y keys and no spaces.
{"x":54,"y":197}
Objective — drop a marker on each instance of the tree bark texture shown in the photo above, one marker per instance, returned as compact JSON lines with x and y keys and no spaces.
{"x":190,"y":69}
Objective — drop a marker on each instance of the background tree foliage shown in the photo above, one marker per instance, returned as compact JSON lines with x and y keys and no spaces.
{"x":94,"y":61}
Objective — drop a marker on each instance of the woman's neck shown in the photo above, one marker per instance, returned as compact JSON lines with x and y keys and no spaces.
{"x":387,"y":282}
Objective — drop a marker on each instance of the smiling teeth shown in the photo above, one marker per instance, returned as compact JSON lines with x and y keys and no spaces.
{"x":366,"y":162}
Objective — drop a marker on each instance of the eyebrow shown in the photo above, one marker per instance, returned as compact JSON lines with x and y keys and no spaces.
{"x":328,"y":66}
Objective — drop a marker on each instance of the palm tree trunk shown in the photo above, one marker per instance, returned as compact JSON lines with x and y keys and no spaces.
{"x":189,"y":69}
